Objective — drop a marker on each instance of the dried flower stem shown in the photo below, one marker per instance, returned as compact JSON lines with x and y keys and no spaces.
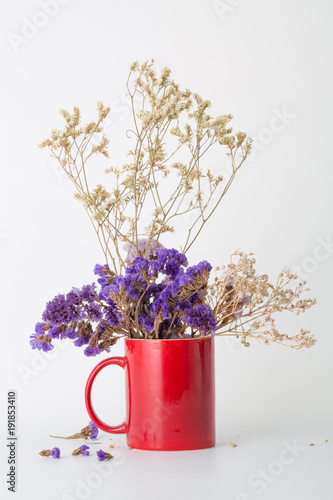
{"x":161,"y":113}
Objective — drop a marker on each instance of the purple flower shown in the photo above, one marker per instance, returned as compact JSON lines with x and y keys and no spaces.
{"x":200,"y":317}
{"x":94,"y":311}
{"x":54,"y":333}
{"x":105,"y":279}
{"x":112,"y":315}
{"x":101,"y":455}
{"x":84,"y":450}
{"x":102,"y":272}
{"x":134,"y":284}
{"x":74,"y":296}
{"x":147,"y":322}
{"x":169,"y":329}
{"x":71,"y":333}
{"x":139,"y":264}
{"x":64,"y":309}
{"x":55,"y":452}
{"x":161,"y":303}
{"x":105,"y":293}
{"x":80,"y":341}
{"x":93,"y":430}
{"x":88,"y":293}
{"x":44,"y":345}
{"x":241,"y":304}
{"x":156,"y":283}
{"x":92,"y":351}
{"x":169,"y":262}
{"x":184,"y":278}
{"x":39,"y":328}
{"x":142,"y":247}
{"x":56,"y":312}
{"x":117,"y":283}
{"x":58,"y":332}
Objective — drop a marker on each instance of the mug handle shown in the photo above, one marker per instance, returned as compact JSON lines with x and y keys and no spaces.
{"x":118,"y":429}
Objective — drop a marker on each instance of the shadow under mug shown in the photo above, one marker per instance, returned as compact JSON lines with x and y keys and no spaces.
{"x":170,"y":394}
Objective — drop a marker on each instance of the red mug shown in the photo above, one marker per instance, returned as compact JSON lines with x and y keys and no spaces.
{"x":170,"y":394}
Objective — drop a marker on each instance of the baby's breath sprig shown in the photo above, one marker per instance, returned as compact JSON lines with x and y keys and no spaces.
{"x":244,"y":303}
{"x":162,"y":114}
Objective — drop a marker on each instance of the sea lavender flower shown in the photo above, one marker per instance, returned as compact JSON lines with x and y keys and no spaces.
{"x":136,"y":278}
{"x":82,"y":450}
{"x":55,"y":453}
{"x":106,"y":277}
{"x":70,"y":308}
{"x":89,"y":431}
{"x":41,"y":342}
{"x":138,"y":265}
{"x":88,"y":293}
{"x":147,"y":322}
{"x":93,"y":430}
{"x":59,"y":332}
{"x":113,"y":315}
{"x":241,"y":304}
{"x":71,"y":333}
{"x":132,"y":253}
{"x":103,"y":272}
{"x":74,"y":296}
{"x":117,"y":284}
{"x":200,"y":317}
{"x":169,"y":262}
{"x":80,"y":341}
{"x":56,"y":311}
{"x":41,"y":328}
{"x":103,"y":455}
{"x":91,"y":351}
{"x":94,"y":311}
{"x":113,"y":309}
{"x":191,"y":275}
{"x":161,"y":303}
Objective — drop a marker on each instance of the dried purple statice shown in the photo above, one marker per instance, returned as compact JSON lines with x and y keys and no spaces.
{"x":81,"y":450}
{"x":144,"y":247}
{"x":103,"y":455}
{"x":90,"y":431}
{"x":55,"y":453}
{"x":200,"y":317}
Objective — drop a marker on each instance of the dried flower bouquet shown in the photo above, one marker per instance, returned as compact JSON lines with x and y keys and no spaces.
{"x":146,"y":290}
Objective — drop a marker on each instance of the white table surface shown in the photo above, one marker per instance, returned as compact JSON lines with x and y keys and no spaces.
{"x":278,"y":465}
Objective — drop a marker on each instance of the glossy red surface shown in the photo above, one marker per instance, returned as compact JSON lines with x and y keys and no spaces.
{"x":170,"y":394}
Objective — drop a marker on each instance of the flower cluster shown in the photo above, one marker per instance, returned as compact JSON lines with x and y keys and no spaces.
{"x":163,"y":297}
{"x":72,"y":316}
{"x":245,"y":303}
{"x":159,"y":296}
{"x":81,"y":450}
{"x":151,"y":292}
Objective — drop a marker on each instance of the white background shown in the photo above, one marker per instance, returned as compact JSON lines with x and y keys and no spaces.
{"x":256,"y":59}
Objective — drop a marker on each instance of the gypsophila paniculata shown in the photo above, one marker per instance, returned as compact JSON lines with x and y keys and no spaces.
{"x":145,"y":290}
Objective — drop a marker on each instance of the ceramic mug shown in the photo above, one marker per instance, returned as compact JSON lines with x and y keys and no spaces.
{"x":170,"y":394}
